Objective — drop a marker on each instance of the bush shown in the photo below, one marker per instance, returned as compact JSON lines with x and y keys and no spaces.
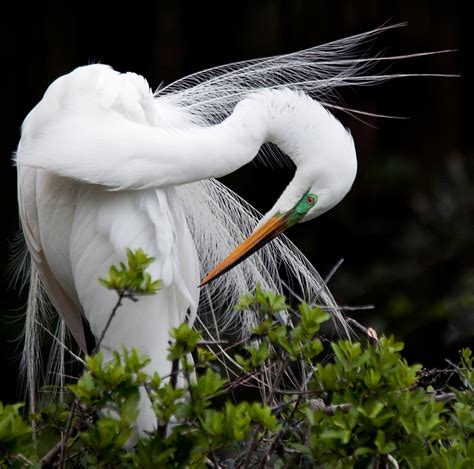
{"x":334,"y":404}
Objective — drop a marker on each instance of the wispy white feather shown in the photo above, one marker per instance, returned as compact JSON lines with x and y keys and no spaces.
{"x":319,"y":71}
{"x":217,"y":218}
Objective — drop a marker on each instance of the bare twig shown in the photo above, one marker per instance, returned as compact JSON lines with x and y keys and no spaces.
{"x":293,"y":392}
{"x":328,"y":277}
{"x":174,"y":373}
{"x":460,"y":373}
{"x":68,"y":433}
{"x":243,"y":379}
{"x":429,"y":376}
{"x":48,"y":459}
{"x":369,"y":333}
{"x":121,"y":295}
{"x":325,"y":282}
{"x":347,"y":307}
{"x":279,"y":435}
{"x":301,"y":392}
{"x":212,"y":342}
{"x":253,"y":439}
{"x":282,"y":406}
{"x":318,"y":404}
{"x":148,"y":390}
{"x":331,"y":273}
{"x":227,"y":356}
{"x":24,"y":459}
{"x":61,"y":446}
{"x":281,"y":372}
{"x":444,"y":396}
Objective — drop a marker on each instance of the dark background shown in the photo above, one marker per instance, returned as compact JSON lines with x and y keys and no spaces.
{"x":405,"y":228}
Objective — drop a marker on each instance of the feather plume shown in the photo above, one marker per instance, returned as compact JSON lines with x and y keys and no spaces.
{"x":218,"y":218}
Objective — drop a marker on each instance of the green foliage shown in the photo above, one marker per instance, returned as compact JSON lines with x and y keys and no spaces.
{"x":342,"y":404}
{"x":15,"y":436}
{"x":132,"y":278}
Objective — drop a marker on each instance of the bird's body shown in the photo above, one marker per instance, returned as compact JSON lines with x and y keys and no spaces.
{"x":104,"y":164}
{"x":92,"y":227}
{"x":102,"y":169}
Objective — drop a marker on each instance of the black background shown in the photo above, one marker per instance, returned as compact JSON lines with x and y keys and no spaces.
{"x":404,"y":230}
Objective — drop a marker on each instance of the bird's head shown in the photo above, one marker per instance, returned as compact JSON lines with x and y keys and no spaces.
{"x":326,"y":169}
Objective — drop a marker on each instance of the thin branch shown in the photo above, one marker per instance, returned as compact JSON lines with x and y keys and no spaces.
{"x":331,"y":273}
{"x":461,"y":375}
{"x":369,"y":333}
{"x":330,"y":410}
{"x":212,"y":342}
{"x":293,"y":392}
{"x":282,"y":406}
{"x":174,"y":373}
{"x":268,"y":453}
{"x":253,"y":440}
{"x":48,"y":459}
{"x":61,"y":446}
{"x":345,"y":307}
{"x":243,"y":379}
{"x":328,"y":277}
{"x":444,"y":396}
{"x":121,"y":295}
{"x":224,"y":352}
{"x":68,"y":433}
{"x":24,"y":459}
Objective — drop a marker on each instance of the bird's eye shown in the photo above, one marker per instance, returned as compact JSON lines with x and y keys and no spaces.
{"x":310,"y":199}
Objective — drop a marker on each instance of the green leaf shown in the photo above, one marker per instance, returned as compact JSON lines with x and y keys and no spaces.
{"x":209,"y":384}
{"x":384,"y":447}
{"x":362,"y":451}
{"x":129,"y":409}
{"x":15,"y":433}
{"x":132,"y":278}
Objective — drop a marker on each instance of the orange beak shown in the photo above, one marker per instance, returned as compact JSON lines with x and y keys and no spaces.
{"x":261,"y":236}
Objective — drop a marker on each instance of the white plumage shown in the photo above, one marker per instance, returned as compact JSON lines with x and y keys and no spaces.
{"x":104,"y":164}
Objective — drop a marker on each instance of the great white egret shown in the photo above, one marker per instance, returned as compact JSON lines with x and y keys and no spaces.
{"x":105,"y":164}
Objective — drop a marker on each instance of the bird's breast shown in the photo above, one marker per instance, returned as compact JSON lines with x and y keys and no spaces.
{"x":84,"y":229}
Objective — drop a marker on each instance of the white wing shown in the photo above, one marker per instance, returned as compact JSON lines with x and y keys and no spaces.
{"x":65,"y":303}
{"x":124,"y":149}
{"x":75,"y":231}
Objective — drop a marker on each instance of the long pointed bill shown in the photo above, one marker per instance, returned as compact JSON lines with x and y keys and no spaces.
{"x":261,"y":236}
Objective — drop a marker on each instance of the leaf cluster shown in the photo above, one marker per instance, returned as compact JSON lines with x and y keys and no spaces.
{"x":132,"y":278}
{"x":343,"y":405}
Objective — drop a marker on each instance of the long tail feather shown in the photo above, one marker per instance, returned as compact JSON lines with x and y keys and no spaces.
{"x":31,"y":359}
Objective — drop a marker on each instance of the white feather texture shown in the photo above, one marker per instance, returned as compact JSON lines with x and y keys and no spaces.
{"x":105,"y":164}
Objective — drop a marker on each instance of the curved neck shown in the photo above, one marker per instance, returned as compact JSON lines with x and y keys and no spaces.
{"x":289,"y":119}
{"x":110,"y":150}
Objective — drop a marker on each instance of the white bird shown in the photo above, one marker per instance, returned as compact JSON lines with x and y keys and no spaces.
{"x":105,"y":164}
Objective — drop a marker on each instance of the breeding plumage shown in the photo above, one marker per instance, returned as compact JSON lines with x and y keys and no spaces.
{"x":105,"y":164}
